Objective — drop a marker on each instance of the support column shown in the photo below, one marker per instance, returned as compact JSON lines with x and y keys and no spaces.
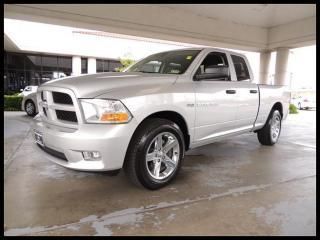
{"x":92,"y":65}
{"x":264,"y":66}
{"x":281,"y":73}
{"x":76,"y":66}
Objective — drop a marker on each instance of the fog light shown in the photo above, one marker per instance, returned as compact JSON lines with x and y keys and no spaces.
{"x":94,"y":155}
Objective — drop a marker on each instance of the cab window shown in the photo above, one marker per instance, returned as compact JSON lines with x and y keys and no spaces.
{"x":241,"y":68}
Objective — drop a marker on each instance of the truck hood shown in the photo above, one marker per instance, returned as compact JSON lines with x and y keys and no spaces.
{"x":93,"y":85}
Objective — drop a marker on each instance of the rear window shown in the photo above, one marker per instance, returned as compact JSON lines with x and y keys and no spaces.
{"x":241,"y":68}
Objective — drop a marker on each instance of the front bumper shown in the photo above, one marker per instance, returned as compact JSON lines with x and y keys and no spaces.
{"x":111,"y":140}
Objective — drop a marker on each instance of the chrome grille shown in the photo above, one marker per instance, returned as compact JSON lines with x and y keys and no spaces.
{"x":59,"y":106}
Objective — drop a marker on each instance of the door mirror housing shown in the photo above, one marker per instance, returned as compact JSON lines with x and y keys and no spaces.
{"x":213,"y":73}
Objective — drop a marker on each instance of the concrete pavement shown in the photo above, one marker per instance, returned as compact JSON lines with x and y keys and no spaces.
{"x":233,"y":187}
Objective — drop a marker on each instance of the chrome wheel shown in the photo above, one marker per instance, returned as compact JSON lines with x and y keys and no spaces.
{"x":30,"y":108}
{"x":275,"y":127}
{"x":163,"y":155}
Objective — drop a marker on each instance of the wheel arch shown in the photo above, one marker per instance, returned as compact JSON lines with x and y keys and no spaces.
{"x":277,"y":106}
{"x":175,"y":117}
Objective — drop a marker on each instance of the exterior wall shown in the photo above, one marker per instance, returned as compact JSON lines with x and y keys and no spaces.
{"x":92,"y":65}
{"x":76,"y":65}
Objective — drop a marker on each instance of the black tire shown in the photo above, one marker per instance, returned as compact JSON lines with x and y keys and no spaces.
{"x":31,"y":111}
{"x":264,"y":134}
{"x":300,"y":108}
{"x":135,"y":165}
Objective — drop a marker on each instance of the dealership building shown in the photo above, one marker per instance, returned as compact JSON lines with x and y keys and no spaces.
{"x":31,"y":58}
{"x":24,"y":68}
{"x":36,"y":64}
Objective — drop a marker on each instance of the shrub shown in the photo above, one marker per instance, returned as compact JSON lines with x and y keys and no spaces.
{"x":12,"y":102}
{"x":292,"y":109}
{"x":10,"y":92}
{"x":126,"y":62}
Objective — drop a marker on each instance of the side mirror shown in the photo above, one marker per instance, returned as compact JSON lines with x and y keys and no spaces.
{"x":213,"y":73}
{"x":21,"y":90}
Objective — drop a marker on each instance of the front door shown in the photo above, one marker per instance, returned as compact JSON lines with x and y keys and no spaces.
{"x":216,"y":99}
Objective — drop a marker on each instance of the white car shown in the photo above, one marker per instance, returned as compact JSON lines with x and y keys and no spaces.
{"x":27,"y":90}
{"x":145,"y":118}
{"x":29,"y":104}
{"x":303,"y":102}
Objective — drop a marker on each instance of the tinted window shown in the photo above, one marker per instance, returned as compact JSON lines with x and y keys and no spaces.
{"x":33,"y":69}
{"x":49,"y":63}
{"x":16,"y":79}
{"x":99,"y":65}
{"x":46,"y":76}
{"x":33,"y":62}
{"x":65,"y":65}
{"x":84,"y":65}
{"x":33,"y":77}
{"x":15,"y":61}
{"x":174,"y":62}
{"x":107,"y":65}
{"x":241,"y":68}
{"x":113,"y":65}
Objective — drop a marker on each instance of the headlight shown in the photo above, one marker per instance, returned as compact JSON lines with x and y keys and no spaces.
{"x":105,"y":111}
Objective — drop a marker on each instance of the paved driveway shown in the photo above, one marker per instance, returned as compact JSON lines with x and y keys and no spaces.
{"x":233,"y":187}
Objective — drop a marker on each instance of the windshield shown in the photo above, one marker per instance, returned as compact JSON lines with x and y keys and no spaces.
{"x":174,"y":62}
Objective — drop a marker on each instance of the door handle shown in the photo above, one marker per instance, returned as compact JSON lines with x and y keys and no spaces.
{"x":253,"y":91}
{"x":231,"y":91}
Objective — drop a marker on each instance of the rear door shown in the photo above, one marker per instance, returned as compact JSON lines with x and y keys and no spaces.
{"x":247,"y":93}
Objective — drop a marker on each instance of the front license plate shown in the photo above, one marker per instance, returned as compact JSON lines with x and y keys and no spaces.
{"x":38,"y":138}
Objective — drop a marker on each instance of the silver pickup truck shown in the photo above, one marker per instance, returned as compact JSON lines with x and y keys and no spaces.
{"x":145,"y":118}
